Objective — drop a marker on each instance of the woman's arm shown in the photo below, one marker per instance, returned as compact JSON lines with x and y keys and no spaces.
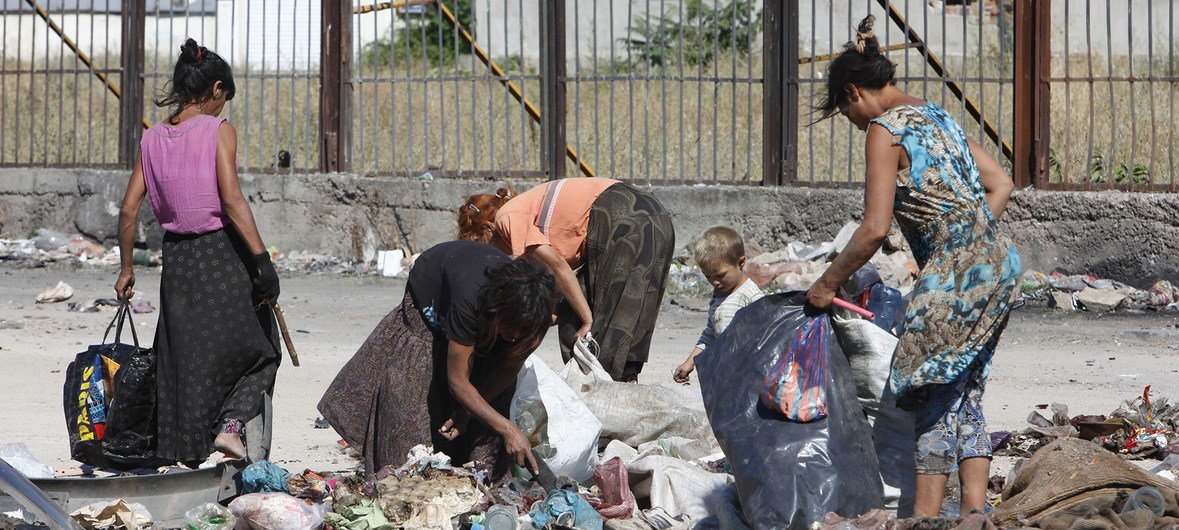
{"x":995,"y":180}
{"x":459,"y":361}
{"x":566,"y":283}
{"x":883,"y":159}
{"x":128,"y":224}
{"x":232,"y":201}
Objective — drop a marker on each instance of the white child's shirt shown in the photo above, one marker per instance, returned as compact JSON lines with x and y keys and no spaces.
{"x":721,"y":310}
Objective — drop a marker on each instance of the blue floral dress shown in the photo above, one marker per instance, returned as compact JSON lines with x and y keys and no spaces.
{"x":969,"y":270}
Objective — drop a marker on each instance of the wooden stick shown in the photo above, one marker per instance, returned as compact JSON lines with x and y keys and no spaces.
{"x":286,"y":335}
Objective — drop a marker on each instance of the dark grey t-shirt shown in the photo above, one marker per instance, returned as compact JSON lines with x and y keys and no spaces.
{"x":446,"y":280}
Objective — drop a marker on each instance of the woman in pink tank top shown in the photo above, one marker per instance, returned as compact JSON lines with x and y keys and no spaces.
{"x":216,"y":340}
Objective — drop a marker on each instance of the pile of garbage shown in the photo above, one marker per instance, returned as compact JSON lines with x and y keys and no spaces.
{"x":49,"y":247}
{"x":1089,"y":293}
{"x":1140,"y":428}
{"x":799,"y":265}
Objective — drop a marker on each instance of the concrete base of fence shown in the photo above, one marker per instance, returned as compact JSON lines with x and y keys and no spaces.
{"x":1125,"y":236}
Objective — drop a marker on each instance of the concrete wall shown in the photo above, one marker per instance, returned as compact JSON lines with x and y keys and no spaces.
{"x":1129,"y":237}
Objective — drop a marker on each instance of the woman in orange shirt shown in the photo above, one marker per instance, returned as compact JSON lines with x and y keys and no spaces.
{"x":608,"y":245}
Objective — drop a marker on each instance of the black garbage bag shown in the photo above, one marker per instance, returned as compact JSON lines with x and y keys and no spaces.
{"x":109,"y":401}
{"x":788,"y":475}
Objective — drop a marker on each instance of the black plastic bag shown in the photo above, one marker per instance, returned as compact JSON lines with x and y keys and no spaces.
{"x":109,"y":401}
{"x":789,"y":475}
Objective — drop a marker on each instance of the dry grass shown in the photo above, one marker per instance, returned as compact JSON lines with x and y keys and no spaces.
{"x":667,"y":130}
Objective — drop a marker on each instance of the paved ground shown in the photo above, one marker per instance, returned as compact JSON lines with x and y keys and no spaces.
{"x":1090,"y":362}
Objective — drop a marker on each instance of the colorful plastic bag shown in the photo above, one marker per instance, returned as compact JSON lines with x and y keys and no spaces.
{"x":109,"y":401}
{"x":797,"y":384}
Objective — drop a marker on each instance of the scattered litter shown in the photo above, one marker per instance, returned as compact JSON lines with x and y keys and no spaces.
{"x":567,"y":509}
{"x":309,"y":485}
{"x":12,"y":324}
{"x":264,"y":476}
{"x":18,"y":456}
{"x":389,"y":262}
{"x":58,"y":293}
{"x":321,"y":423}
{"x":96,"y":305}
{"x":115,"y":514}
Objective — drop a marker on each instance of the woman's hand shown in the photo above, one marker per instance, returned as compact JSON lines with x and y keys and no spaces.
{"x":125,"y":285}
{"x":585,"y":329}
{"x":456,"y":425}
{"x":821,"y":295}
{"x":518,"y":447}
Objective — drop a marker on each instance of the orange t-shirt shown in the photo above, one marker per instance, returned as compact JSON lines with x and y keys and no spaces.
{"x":517,"y":220}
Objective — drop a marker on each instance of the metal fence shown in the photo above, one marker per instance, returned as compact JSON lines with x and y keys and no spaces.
{"x":1070,"y":95}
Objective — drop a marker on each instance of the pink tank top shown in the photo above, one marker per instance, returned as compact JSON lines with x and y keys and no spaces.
{"x":180,"y":171}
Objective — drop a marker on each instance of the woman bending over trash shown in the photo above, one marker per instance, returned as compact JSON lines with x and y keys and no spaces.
{"x":601,"y":235}
{"x":947,"y":194}
{"x":216,"y":340}
{"x":468,"y":320}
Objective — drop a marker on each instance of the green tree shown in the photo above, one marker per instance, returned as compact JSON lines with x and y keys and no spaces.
{"x":430,"y":35}
{"x":706,"y":31}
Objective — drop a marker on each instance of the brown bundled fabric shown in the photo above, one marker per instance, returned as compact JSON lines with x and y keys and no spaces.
{"x":1077,"y":485}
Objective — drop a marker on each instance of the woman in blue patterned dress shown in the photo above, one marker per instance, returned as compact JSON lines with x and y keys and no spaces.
{"x":947,"y":194}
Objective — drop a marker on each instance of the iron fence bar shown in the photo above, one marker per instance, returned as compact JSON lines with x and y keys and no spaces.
{"x":577,"y":72}
{"x":831,"y":123}
{"x":490,"y":104}
{"x":4,"y":88}
{"x":680,"y":23}
{"x":647,"y":111}
{"x":1068,"y":92}
{"x":45,"y":100}
{"x":715,"y":75}
{"x":131,"y":107}
{"x":1113,"y":108}
{"x":1171,"y":131}
{"x":955,"y":87}
{"x":748,"y":114}
{"x":16,"y":109}
{"x":774,"y":95}
{"x":687,"y":78}
{"x":613,"y":62}
{"x":733,"y":87}
{"x":1150,"y":88}
{"x":1133,"y":106}
{"x":426,"y":98}
{"x":630,"y":92}
{"x":811,"y":129}
{"x":1092,"y":98}
{"x":60,"y":98}
{"x":700,"y":100}
{"x":507,"y":53}
{"x":552,"y":64}
{"x":663,"y":94}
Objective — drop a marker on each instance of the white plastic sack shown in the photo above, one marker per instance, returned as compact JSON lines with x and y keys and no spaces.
{"x":674,"y":485}
{"x":276,"y":511}
{"x":565,"y":428}
{"x":18,"y":456}
{"x":634,"y":414}
{"x":869,"y":350}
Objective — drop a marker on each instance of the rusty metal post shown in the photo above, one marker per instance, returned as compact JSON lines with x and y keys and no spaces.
{"x":1033,"y":63}
{"x":780,"y":95}
{"x":552,"y":79}
{"x":131,"y":101}
{"x":335,"y":88}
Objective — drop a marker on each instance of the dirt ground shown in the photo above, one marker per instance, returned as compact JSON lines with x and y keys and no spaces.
{"x":1087,"y":361}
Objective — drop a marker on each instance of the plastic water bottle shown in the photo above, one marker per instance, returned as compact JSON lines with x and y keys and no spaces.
{"x":1147,"y":498}
{"x":889,"y":306}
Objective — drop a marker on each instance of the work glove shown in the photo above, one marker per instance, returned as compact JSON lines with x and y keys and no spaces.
{"x":265,"y":279}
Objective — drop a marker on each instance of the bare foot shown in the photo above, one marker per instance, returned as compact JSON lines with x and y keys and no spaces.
{"x":230,"y":444}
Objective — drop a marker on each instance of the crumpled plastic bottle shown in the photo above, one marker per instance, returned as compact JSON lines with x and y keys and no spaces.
{"x":209,"y":516}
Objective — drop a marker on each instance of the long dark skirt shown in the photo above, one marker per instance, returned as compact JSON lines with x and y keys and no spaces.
{"x":393,"y":395}
{"x":629,"y":246}
{"x":217,"y":355}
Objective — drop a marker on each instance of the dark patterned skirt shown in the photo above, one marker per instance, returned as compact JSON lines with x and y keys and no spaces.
{"x":629,"y":246}
{"x":393,"y":394}
{"x":217,"y":356}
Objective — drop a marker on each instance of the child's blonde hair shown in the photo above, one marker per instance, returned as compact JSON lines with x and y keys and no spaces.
{"x":720,"y":245}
